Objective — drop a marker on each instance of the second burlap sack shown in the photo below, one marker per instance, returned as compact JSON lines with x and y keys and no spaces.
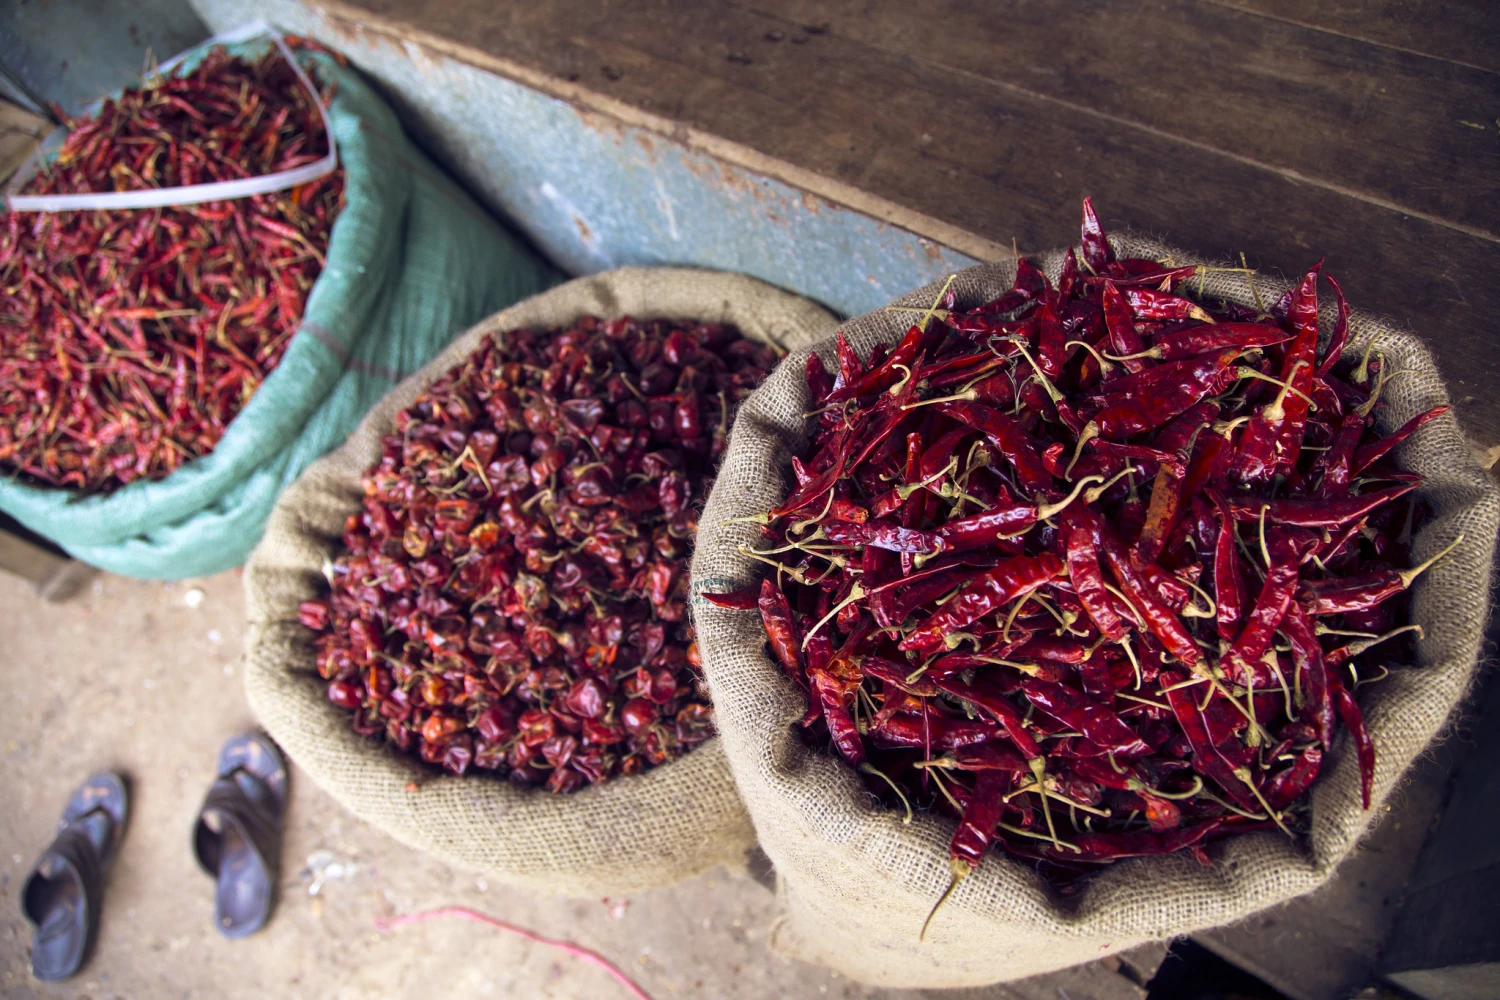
{"x":856,"y":883}
{"x":622,"y":836}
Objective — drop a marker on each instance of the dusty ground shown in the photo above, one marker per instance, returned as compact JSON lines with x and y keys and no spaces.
{"x":145,"y":678}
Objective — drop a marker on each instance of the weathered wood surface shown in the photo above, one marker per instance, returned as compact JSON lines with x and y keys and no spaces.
{"x":1220,"y":128}
{"x":1461,"y":30}
{"x":53,"y":575}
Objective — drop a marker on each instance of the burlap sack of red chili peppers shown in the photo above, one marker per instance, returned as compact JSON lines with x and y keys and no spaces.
{"x":857,"y":883}
{"x":623,"y":835}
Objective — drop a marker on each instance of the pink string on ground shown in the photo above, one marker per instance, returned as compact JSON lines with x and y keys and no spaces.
{"x":576,"y":950}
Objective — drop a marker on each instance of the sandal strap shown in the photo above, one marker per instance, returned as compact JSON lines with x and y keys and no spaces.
{"x":242,"y":801}
{"x":78,"y":857}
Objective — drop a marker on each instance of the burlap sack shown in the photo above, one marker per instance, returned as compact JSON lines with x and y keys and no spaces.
{"x":623,"y":836}
{"x":856,"y":883}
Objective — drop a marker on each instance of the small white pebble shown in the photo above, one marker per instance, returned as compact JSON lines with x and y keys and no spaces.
{"x":228,"y":669}
{"x":16,"y":858}
{"x":481,"y":885}
{"x":193,"y":598}
{"x":215,"y":636}
{"x":148,"y":683}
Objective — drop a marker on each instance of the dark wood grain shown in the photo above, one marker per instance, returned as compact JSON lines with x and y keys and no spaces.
{"x":990,"y":158}
{"x":1466,"y":31}
{"x":1312,"y":104}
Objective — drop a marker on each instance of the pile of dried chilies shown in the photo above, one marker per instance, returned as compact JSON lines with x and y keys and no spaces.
{"x":514,"y":594}
{"x":1093,"y":567}
{"x":130,"y":339}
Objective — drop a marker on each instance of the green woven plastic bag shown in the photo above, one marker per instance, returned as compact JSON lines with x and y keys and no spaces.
{"x":412,"y":262}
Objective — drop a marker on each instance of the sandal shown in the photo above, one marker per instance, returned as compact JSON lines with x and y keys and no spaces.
{"x":237,"y":838}
{"x":63,"y":893}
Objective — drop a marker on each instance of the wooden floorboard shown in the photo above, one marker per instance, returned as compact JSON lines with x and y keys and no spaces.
{"x":1328,"y":945}
{"x":1465,"y":31}
{"x":1310,"y":104}
{"x":986,"y":157}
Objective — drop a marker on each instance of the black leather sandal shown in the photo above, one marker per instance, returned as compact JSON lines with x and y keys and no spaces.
{"x":63,"y":893}
{"x":237,"y":838}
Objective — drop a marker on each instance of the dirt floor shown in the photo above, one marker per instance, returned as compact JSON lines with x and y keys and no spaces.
{"x":145,"y":678}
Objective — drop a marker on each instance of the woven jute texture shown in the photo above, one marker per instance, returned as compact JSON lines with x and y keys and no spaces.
{"x":856,"y":883}
{"x":623,"y":836}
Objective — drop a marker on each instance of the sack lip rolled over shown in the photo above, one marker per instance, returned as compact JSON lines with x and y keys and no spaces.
{"x":858,"y":882}
{"x":626,"y":835}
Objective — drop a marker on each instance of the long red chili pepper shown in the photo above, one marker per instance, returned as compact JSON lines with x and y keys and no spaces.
{"x":996,"y":704}
{"x":1310,"y":513}
{"x":1229,"y":585}
{"x":1354,"y":721}
{"x":1357,"y":593}
{"x":1242,"y":662}
{"x":1008,"y":437}
{"x":990,"y":590}
{"x":1095,"y":721}
{"x":1311,"y":671}
{"x":1367,"y":455}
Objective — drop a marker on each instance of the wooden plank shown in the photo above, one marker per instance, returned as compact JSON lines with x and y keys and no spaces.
{"x":1141,"y":962}
{"x":21,"y":133}
{"x":1093,"y":981}
{"x":30,"y":562}
{"x":1448,"y":917}
{"x":1463,"y":31}
{"x":1310,"y":104}
{"x":1327,"y":945}
{"x":53,"y":575}
{"x":971,"y":153}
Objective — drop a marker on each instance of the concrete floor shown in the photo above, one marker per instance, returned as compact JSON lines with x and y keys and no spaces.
{"x":145,"y":678}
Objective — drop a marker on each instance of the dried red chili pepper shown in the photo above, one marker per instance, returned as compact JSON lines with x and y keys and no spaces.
{"x":986,"y":592}
{"x":1028,"y":643}
{"x":1340,"y":595}
{"x":516,"y":580}
{"x":1369,"y":454}
{"x":1242,"y":661}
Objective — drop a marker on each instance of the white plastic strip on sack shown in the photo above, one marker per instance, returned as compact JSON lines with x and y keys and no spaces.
{"x":190,"y":194}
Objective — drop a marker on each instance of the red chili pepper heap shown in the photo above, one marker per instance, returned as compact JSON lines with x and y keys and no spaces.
{"x":130,"y":339}
{"x":514,"y":595}
{"x":1092,"y":567}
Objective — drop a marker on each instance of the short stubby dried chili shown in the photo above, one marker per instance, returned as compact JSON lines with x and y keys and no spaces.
{"x":1096,"y":567}
{"x":130,"y":339}
{"x":514,"y":591}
